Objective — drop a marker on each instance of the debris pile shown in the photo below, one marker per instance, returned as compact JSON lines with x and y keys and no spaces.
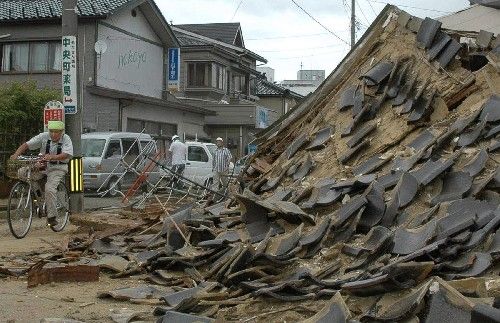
{"x":375,"y":200}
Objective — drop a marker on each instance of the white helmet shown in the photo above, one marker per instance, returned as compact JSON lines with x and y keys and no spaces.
{"x":174,"y":137}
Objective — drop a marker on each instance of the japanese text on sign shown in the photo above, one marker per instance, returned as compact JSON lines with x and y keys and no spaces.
{"x":69,"y":74}
{"x":53,"y":110}
{"x":173,"y":68}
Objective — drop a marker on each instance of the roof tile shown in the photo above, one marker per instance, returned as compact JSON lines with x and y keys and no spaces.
{"x":11,"y":10}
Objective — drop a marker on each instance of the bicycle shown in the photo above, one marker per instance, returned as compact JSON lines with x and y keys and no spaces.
{"x":26,"y":198}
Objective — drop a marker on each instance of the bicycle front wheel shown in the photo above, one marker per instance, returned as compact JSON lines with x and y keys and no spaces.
{"x":62,"y":205}
{"x":20,"y":210}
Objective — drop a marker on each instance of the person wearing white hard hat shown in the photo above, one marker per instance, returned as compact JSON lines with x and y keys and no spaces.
{"x":179,"y":155}
{"x":56,"y":149}
{"x":220,"y":164}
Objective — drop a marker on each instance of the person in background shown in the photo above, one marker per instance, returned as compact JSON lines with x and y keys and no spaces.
{"x":179,"y":156}
{"x":56,"y":149}
{"x":220,"y":164}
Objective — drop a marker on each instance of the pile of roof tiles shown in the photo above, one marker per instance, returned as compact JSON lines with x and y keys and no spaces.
{"x":401,"y":220}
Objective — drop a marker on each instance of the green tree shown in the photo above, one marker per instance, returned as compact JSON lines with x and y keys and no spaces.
{"x":21,"y":104}
{"x":21,"y":114}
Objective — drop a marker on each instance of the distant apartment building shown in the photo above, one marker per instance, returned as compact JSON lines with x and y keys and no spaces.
{"x":307,"y":81}
{"x":311,"y":75}
{"x":268,"y":72}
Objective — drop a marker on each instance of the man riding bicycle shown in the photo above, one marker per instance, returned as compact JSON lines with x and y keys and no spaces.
{"x":56,"y":149}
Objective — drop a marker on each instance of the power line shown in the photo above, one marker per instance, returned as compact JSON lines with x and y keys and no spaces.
{"x":310,"y":55}
{"x":238,"y":7}
{"x":281,"y":37}
{"x":362,"y":12}
{"x":372,"y":8}
{"x":405,"y":6}
{"x":295,"y":49}
{"x":319,"y":23}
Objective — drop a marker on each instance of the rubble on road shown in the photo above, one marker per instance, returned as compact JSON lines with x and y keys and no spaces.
{"x":376,"y":199}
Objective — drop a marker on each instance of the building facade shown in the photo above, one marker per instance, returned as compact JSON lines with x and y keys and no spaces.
{"x":219,"y":74}
{"x":122,"y":54}
{"x":276,"y":97}
{"x":307,"y":81}
{"x":267,"y":71}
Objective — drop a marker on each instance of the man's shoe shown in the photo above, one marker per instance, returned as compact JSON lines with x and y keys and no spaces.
{"x":52,"y":222}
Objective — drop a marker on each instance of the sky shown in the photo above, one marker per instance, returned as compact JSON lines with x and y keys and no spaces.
{"x":290,"y":38}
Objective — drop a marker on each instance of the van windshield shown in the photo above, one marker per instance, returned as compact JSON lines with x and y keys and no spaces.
{"x":93,"y":147}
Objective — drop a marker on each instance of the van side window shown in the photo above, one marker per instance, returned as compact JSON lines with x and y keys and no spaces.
{"x":130,"y":149}
{"x":197,"y":154}
{"x":148,"y":148}
{"x":114,"y":149}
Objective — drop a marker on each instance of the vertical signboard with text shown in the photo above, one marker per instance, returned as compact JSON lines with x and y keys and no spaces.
{"x":261,"y":117}
{"x":173,"y":69}
{"x":53,"y":110}
{"x":69,"y":67}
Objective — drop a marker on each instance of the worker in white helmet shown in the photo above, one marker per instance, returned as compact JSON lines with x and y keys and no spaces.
{"x":179,"y":156}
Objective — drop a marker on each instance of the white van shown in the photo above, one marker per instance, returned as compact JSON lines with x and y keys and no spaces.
{"x":199,"y":162}
{"x":102,"y":152}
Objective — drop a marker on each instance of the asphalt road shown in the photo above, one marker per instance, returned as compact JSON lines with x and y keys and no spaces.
{"x":94,"y":202}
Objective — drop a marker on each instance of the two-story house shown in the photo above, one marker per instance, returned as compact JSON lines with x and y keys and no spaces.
{"x":276,"y":97}
{"x":122,"y":63}
{"x":218,"y":73}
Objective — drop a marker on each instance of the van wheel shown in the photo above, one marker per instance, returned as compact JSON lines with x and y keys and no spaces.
{"x":114,"y":187}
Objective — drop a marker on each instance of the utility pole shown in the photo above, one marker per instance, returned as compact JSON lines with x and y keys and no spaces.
{"x":353,"y":23}
{"x":74,"y":114}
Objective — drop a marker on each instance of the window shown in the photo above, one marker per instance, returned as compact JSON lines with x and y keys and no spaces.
{"x":199,"y":74}
{"x":15,"y":57}
{"x":114,"y":149}
{"x":93,"y":147}
{"x":55,"y":59}
{"x":197,"y":154}
{"x":253,"y":85}
{"x":218,"y":75}
{"x":148,"y":148}
{"x":239,"y":83}
{"x":130,"y":151}
{"x":38,"y":57}
{"x":31,"y":57}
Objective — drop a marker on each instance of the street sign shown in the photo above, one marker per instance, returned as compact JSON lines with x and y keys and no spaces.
{"x":53,"y":110}
{"x":173,"y":69}
{"x":69,"y":74}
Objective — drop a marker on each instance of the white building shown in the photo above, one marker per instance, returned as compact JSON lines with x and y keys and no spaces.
{"x":268,"y":71}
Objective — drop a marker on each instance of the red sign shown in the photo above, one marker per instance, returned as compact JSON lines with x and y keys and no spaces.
{"x":54,"y":110}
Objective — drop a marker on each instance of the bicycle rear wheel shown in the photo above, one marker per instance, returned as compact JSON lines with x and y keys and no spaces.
{"x":62,"y":205}
{"x":20,"y":210}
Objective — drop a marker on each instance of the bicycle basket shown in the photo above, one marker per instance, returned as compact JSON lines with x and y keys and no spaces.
{"x":13,"y":166}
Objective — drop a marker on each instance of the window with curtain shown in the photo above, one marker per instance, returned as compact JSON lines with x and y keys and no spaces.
{"x":39,"y":52}
{"x":31,"y":57}
{"x":15,"y":57}
{"x":55,"y":59}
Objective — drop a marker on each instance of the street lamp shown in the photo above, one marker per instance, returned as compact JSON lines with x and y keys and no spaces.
{"x":4,"y":36}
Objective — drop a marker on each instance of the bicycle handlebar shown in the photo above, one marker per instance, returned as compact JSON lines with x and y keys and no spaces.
{"x":29,"y":158}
